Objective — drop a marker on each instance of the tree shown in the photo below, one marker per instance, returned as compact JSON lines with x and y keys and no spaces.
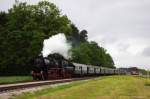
{"x":83,"y":36}
{"x":44,"y":17}
{"x":79,"y":54}
{"x":23,"y":30}
{"x":3,"y":18}
{"x":74,"y":36}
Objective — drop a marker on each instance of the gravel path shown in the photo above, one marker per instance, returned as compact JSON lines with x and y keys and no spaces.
{"x":10,"y":94}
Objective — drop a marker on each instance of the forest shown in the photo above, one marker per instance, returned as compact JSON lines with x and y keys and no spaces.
{"x":24,"y":27}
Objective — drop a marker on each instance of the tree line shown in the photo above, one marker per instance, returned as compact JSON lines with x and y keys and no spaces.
{"x":86,"y":52}
{"x":24,"y":28}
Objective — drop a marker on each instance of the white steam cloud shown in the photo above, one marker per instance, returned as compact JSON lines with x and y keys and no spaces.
{"x":56,"y":44}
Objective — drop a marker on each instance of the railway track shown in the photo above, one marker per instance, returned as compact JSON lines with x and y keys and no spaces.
{"x":11,"y":87}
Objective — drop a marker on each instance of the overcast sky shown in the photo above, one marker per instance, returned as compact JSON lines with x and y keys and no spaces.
{"x":120,"y":26}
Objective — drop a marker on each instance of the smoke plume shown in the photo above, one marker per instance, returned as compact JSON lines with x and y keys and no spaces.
{"x":56,"y":44}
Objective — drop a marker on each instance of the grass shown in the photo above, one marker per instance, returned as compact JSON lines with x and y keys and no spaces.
{"x":14,"y":79}
{"x":112,"y":87}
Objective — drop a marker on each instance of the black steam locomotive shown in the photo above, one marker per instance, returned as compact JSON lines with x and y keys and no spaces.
{"x":57,"y":67}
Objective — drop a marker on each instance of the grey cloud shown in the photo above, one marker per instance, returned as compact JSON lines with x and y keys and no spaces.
{"x":123,"y":47}
{"x":146,"y":52}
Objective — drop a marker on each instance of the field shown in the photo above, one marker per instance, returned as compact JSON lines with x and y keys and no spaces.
{"x":112,"y":87}
{"x":14,"y":79}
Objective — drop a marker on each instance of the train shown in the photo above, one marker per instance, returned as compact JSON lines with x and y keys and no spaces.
{"x":56,"y":66}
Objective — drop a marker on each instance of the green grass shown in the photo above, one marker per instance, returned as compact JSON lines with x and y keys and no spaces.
{"x":112,"y":87}
{"x":14,"y":79}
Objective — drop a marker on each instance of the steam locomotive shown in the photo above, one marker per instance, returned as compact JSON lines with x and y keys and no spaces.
{"x":56,"y":66}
